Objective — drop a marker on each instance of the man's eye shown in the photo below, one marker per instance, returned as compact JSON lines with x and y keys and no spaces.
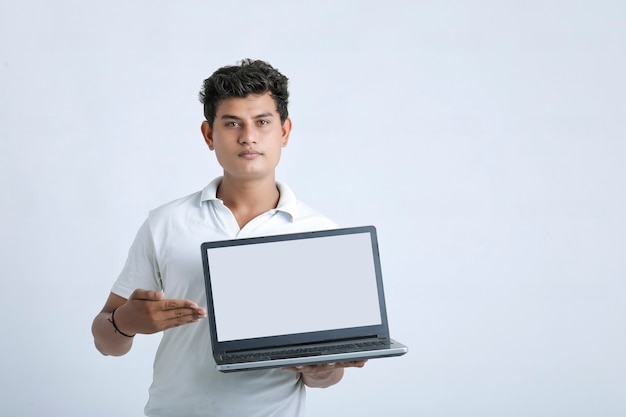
{"x":263,"y":122}
{"x":232,"y":124}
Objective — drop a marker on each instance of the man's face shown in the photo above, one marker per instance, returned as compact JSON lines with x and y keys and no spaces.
{"x":247,"y":136}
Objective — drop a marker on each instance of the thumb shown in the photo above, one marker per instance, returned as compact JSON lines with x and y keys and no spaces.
{"x":147,"y":295}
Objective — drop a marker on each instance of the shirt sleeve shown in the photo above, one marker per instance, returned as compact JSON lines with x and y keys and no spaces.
{"x":141,"y":269}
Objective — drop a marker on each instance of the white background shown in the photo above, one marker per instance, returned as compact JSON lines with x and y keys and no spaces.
{"x":484,"y":139}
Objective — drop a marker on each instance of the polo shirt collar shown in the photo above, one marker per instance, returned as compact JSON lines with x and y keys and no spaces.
{"x":210,"y":191}
{"x":287,"y":202}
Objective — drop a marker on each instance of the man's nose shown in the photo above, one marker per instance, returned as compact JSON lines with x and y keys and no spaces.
{"x":247,"y":135}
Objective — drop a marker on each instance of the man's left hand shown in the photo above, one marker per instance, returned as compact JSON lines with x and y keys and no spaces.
{"x":324,"y":375}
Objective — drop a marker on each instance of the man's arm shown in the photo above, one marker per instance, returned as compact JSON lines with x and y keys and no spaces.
{"x":144,"y":312}
{"x":107,"y":340}
{"x":324,"y":376}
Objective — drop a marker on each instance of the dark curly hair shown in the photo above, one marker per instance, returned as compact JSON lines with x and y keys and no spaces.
{"x":248,"y":77}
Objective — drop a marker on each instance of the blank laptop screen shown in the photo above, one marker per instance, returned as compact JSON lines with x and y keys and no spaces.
{"x":294,"y":286}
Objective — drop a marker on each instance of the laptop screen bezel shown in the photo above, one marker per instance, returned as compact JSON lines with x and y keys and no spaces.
{"x":379,"y":331}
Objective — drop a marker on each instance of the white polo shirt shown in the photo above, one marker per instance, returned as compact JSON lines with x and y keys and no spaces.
{"x":166,"y":256}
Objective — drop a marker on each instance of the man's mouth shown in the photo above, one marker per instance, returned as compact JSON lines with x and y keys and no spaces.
{"x":250,"y":154}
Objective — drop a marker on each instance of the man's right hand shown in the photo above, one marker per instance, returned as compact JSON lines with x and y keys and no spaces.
{"x":143,"y":312}
{"x":147,"y":311}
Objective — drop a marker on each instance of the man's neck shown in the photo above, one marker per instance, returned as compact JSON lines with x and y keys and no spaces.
{"x":248,"y":199}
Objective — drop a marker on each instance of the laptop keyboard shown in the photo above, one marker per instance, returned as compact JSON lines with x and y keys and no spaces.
{"x":304,"y":351}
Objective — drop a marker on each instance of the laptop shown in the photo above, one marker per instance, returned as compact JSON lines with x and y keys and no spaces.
{"x":296,"y":299}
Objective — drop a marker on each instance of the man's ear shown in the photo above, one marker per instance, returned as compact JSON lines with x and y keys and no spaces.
{"x":207,"y":133}
{"x":286,"y":131}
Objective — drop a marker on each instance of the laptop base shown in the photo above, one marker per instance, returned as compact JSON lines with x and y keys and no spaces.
{"x":267,"y":358}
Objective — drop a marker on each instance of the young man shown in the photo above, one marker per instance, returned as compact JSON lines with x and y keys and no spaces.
{"x":161,"y":286}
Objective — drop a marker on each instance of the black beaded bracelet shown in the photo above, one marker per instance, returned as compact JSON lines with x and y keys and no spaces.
{"x":112,"y":321}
